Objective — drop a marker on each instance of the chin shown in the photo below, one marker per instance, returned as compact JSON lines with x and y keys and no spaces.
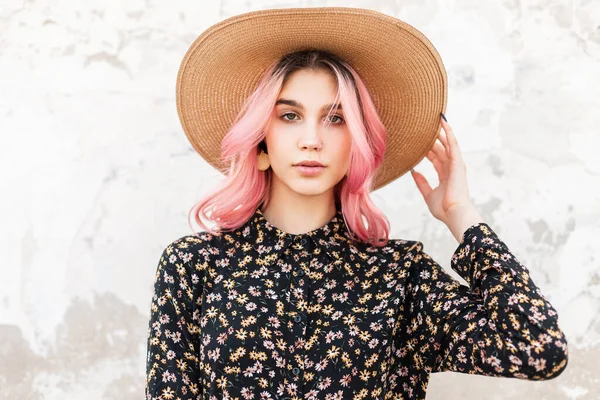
{"x":311,"y":187}
{"x":314,"y":188}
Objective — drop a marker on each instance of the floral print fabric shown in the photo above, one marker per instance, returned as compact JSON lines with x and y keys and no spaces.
{"x":259,"y":313}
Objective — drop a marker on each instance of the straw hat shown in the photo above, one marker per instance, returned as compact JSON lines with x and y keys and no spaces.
{"x":401,"y":68}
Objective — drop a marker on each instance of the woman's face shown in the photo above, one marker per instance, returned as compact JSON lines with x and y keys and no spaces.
{"x":296,"y":132}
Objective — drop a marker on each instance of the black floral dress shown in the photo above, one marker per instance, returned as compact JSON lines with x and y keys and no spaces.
{"x":263,"y":314}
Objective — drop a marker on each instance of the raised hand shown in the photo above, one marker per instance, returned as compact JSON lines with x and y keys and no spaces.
{"x":450,"y":202}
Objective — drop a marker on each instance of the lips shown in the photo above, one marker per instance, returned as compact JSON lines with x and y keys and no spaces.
{"x":308,"y":170}
{"x":309,"y":164}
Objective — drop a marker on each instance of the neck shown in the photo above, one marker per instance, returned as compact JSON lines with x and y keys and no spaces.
{"x":296,"y":214}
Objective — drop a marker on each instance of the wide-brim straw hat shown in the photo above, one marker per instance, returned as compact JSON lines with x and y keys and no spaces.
{"x":401,"y":68}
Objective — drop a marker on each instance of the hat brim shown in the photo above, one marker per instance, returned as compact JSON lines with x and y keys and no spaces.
{"x":401,"y":68}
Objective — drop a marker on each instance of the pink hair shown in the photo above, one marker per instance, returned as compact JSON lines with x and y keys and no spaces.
{"x":245,"y":187}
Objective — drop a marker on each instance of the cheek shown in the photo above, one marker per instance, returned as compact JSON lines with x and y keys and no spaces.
{"x":276,"y":147}
{"x":280,"y":158}
{"x":345,"y":150}
{"x":340,"y":157}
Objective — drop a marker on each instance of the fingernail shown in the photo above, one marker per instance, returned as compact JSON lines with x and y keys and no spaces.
{"x":443,"y":116}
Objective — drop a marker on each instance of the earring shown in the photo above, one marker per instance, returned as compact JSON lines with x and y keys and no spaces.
{"x":263,"y":161}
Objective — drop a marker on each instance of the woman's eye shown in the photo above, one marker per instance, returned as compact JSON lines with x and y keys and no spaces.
{"x":283,"y":116}
{"x":340,"y":118}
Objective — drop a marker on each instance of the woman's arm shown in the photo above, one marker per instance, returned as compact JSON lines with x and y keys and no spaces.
{"x":173,"y":333}
{"x":501,"y":325}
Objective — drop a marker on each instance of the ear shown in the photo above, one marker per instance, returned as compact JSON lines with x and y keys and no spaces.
{"x":263,"y":146}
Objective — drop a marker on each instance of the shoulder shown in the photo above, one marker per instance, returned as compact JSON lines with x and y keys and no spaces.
{"x":395,"y":253}
{"x":402,"y":248}
{"x":185,"y":262}
{"x":192,"y":248}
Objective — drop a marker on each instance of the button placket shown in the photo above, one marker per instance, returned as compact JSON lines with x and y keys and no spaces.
{"x":306,"y":244}
{"x":298,"y":317}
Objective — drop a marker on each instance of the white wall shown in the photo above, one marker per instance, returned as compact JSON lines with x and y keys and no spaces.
{"x":96,"y":175}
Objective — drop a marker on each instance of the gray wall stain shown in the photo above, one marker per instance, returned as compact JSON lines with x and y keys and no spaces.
{"x":19,"y":365}
{"x":541,"y":232}
{"x":103,"y":331}
{"x":495,"y":164}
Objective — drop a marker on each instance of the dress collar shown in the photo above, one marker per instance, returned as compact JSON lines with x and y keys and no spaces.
{"x":332,"y":238}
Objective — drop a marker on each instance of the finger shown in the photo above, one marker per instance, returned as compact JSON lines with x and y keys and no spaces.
{"x":440,"y":152}
{"x":453,"y":147}
{"x":421,"y":183}
{"x":451,"y":140}
{"x":439,"y":165}
{"x":443,"y":138}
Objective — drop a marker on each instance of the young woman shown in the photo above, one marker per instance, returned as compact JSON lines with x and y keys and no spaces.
{"x":299,"y":293}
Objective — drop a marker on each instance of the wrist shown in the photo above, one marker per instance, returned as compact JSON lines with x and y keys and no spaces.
{"x":462,"y":218}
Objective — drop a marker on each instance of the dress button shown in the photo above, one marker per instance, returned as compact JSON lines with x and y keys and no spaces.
{"x":303,"y":241}
{"x":297,"y":318}
{"x":296,"y":370}
{"x":300,"y":272}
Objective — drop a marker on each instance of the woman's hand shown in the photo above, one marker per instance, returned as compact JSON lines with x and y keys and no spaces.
{"x":450,"y":201}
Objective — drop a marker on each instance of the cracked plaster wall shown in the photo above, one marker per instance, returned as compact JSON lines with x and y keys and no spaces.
{"x":97,"y":175}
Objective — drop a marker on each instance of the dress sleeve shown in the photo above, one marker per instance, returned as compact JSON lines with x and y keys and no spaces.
{"x":172,"y":370}
{"x":499,"y":325}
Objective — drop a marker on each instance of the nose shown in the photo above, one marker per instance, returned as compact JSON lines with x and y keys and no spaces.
{"x":311,"y":138}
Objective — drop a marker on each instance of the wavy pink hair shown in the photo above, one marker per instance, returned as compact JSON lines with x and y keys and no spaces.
{"x":245,"y":187}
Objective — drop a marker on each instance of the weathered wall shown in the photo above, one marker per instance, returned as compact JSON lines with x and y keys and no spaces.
{"x":97,"y":175}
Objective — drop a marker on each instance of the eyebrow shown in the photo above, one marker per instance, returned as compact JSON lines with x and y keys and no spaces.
{"x":294,"y":103}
